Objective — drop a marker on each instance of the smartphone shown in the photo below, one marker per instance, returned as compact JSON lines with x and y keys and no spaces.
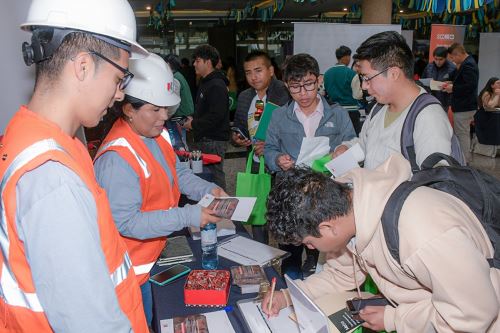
{"x":240,"y":132}
{"x":356,"y":304}
{"x":169,"y":275}
{"x":179,"y":120}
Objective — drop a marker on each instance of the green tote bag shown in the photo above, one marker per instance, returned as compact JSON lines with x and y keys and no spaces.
{"x":254,"y":185}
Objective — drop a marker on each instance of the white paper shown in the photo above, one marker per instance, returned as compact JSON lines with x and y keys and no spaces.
{"x":346,"y":161}
{"x":243,"y":209}
{"x":224,"y":228}
{"x":217,"y":321}
{"x":426,"y":82}
{"x":246,"y":251}
{"x":436,"y":85}
{"x":312,"y":149}
{"x":258,"y":321}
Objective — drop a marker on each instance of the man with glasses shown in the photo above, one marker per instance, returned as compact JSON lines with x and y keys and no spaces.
{"x":308,"y":116}
{"x":386,"y":64}
{"x":64,"y":266}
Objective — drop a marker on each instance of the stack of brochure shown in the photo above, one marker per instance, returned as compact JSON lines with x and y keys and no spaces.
{"x":177,"y":251}
{"x":248,"y":279}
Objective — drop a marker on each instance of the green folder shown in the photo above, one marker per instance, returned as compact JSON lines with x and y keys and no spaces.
{"x":264,"y":121}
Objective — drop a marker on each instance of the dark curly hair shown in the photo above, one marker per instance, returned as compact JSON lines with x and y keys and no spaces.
{"x":207,"y":52}
{"x":300,"y":200}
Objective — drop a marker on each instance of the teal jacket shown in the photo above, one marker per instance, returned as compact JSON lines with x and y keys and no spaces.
{"x":186,"y":108}
{"x":338,"y":81}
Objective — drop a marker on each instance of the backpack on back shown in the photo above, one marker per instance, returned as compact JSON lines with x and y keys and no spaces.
{"x":478,"y":190}
{"x":407,"y":142}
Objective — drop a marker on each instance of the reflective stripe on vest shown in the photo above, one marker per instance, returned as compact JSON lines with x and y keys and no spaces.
{"x":122,"y":142}
{"x":121,"y":272}
{"x":143,"y":269}
{"x":9,"y":288}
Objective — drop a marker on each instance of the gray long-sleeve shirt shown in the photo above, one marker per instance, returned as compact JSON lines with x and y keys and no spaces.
{"x":122,"y":185}
{"x":57,"y":222}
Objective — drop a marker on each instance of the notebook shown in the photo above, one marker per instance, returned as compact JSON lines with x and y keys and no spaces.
{"x":310,"y":316}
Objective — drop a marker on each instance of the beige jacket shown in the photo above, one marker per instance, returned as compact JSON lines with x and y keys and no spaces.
{"x":444,"y":283}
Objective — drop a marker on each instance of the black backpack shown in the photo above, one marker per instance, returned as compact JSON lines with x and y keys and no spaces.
{"x":407,"y":143}
{"x":479,"y":190}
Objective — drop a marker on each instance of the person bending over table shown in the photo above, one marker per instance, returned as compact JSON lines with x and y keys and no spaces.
{"x":141,"y":174}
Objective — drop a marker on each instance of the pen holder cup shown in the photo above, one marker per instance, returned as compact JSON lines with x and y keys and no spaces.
{"x":185,"y":164}
{"x":197,"y":166}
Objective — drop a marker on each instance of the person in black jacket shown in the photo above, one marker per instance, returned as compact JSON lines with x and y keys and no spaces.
{"x":463,"y":94}
{"x":210,"y":121}
{"x":441,"y":69}
{"x":264,"y":86}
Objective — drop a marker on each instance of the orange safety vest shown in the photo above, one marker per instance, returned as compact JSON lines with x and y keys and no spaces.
{"x":157,"y":192}
{"x":30,"y":141}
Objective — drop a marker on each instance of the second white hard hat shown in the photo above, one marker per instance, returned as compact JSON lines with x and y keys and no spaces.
{"x":153,"y":81}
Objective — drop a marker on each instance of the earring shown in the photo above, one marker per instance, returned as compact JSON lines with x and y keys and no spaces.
{"x":130,"y":119}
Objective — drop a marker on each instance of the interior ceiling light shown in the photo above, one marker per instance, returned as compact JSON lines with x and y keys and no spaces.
{"x":345,"y":9}
{"x":401,"y":11}
{"x":148,"y":7}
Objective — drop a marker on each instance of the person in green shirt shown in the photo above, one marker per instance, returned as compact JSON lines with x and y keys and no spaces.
{"x":186,"y":107}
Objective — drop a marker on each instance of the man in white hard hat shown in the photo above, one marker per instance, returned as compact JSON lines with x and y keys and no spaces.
{"x":64,"y":266}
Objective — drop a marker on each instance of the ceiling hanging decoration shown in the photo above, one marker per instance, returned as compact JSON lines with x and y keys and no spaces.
{"x":161,"y":15}
{"x":477,"y":15}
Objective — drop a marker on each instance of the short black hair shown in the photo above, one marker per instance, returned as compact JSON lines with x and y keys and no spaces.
{"x":342,"y":52}
{"x":173,"y":61}
{"x":387,"y":49}
{"x":136,"y":104}
{"x":255,"y":54}
{"x":71,"y":45}
{"x":300,"y":200}
{"x":440,"y":51}
{"x":298,"y":66}
{"x":207,"y":52}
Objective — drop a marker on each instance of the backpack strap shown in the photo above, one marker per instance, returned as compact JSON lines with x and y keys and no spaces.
{"x":434,"y":158}
{"x":375,"y":109}
{"x":407,"y":143}
{"x":390,"y":216}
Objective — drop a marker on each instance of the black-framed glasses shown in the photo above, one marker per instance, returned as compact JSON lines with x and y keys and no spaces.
{"x":127,"y":75}
{"x":365,"y":78}
{"x":308,"y":86}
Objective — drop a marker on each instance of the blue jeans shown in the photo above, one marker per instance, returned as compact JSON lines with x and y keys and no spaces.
{"x":147,"y":301}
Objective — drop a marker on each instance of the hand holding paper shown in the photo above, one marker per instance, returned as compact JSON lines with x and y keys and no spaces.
{"x":312,"y":149}
{"x":233,"y":208}
{"x":346,"y":161}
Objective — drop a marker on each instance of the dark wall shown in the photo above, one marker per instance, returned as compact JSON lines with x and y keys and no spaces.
{"x":224,"y":40}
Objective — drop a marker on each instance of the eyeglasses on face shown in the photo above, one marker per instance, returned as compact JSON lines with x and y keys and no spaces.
{"x":127,"y":75}
{"x":365,"y":78}
{"x":308,"y":86}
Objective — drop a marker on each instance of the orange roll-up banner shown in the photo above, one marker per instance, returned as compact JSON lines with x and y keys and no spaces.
{"x":445,"y":35}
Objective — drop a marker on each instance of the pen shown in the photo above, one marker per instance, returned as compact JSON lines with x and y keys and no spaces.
{"x":273,"y":286}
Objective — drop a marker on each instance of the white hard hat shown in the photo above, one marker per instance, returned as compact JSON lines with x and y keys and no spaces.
{"x":109,"y":18}
{"x":153,"y":81}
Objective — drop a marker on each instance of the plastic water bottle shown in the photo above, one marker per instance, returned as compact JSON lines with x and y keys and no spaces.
{"x":209,"y":258}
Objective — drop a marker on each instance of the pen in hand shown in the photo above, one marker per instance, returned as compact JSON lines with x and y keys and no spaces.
{"x":273,"y":286}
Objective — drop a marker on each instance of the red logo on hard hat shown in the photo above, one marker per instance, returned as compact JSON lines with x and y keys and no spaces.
{"x":169,"y":86}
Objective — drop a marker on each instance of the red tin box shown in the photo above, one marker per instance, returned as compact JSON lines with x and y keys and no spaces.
{"x":207,"y":288}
